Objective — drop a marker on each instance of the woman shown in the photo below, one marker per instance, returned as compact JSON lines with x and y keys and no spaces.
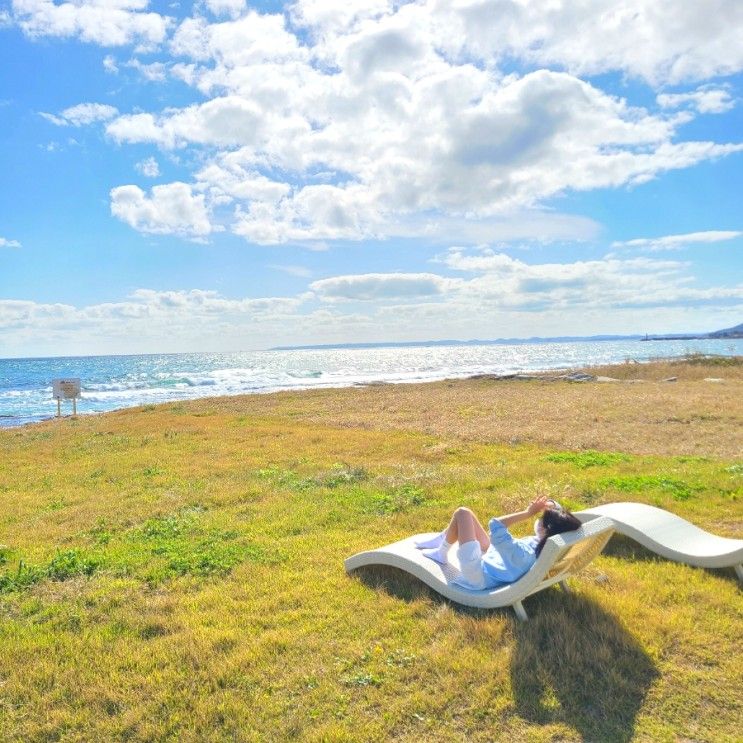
{"x":489,"y":561}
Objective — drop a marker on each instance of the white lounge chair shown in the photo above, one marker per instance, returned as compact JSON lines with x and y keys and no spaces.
{"x":562,"y":556}
{"x":670,"y":536}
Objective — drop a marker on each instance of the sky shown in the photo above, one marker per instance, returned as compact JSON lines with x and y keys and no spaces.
{"x":228,"y":176}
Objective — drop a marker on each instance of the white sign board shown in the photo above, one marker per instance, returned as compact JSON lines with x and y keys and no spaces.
{"x":66,"y":389}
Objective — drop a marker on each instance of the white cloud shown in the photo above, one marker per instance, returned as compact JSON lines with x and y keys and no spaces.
{"x":149,"y":320}
{"x":82,"y":114}
{"x":506,"y":283}
{"x":657,"y":40}
{"x":232,"y":8}
{"x":465,"y":144}
{"x":171,"y":209}
{"x":196,"y":302}
{"x":16,"y":314}
{"x":381,"y":286}
{"x":226,"y":121}
{"x":673,"y":242}
{"x":104,"y":22}
{"x":331,"y":17}
{"x":148,"y":167}
{"x":253,"y":39}
{"x":705,"y":100}
{"x":363,"y":119}
{"x":149,"y":306}
{"x":109,"y":64}
{"x":499,"y":298}
{"x":5,"y":243}
{"x":226,"y":179}
{"x":154,"y":71}
{"x":348,"y":121}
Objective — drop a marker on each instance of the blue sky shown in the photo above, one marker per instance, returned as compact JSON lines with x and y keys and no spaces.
{"x":229,"y":176}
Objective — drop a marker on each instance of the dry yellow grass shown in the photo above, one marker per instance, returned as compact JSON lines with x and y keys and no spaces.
{"x":641,"y":415}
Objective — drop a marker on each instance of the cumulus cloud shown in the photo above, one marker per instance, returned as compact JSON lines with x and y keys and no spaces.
{"x":232,"y":8}
{"x":23,"y":315}
{"x":674,"y":242}
{"x":381,"y":286}
{"x":104,"y":22}
{"x":82,"y":114}
{"x":497,"y":297}
{"x":5,"y":243}
{"x":657,"y":40}
{"x":109,"y":65}
{"x":154,"y":71}
{"x":253,"y":39}
{"x":501,"y":281}
{"x":195,"y":302}
{"x":355,"y":121}
{"x":498,"y":285}
{"x":335,"y":120}
{"x":704,"y":100}
{"x":148,"y":305}
{"x":170,"y":209}
{"x":496,"y":147}
{"x":148,"y":167}
{"x":149,"y":320}
{"x":226,"y":121}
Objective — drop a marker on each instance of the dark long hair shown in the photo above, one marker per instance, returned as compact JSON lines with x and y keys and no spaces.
{"x":556,"y":522}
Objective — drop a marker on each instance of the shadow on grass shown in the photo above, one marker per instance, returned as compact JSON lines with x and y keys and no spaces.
{"x":626,"y":548}
{"x":401,"y":585}
{"x":572,"y":662}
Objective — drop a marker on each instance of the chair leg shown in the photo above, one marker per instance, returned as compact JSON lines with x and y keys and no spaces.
{"x":518,"y":607}
{"x":564,"y":585}
{"x":739,"y":572}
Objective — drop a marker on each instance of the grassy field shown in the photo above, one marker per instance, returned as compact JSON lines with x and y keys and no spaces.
{"x":176,"y":572}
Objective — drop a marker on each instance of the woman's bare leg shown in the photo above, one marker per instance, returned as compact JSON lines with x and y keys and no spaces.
{"x":464,"y":527}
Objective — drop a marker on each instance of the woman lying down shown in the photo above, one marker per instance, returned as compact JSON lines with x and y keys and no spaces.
{"x":489,"y":561}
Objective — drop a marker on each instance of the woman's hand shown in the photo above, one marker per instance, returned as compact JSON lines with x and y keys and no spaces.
{"x":538,"y":505}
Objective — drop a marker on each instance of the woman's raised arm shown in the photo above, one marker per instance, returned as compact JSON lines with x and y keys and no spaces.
{"x":536,"y":506}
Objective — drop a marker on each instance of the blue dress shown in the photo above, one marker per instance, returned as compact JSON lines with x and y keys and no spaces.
{"x":507,"y":559}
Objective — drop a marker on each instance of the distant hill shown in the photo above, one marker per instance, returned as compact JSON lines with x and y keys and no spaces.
{"x":728,"y":333}
{"x":736,"y":332}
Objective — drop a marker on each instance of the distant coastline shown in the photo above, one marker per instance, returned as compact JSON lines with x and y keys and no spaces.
{"x":472,"y":342}
{"x":735,"y":333}
{"x":726,"y":334}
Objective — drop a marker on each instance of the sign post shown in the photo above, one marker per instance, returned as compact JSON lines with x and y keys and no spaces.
{"x":66,"y":389}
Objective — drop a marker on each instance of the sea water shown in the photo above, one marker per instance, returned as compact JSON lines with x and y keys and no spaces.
{"x":111,"y":382}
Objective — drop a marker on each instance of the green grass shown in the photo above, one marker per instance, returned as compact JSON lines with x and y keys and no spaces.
{"x":679,"y":490}
{"x":168,"y":576}
{"x":62,"y":566}
{"x":584,"y":459}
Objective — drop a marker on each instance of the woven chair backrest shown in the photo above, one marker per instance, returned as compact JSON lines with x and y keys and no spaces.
{"x":576,"y":556}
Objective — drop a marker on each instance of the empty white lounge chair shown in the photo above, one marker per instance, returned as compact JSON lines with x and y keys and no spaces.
{"x":562,"y":556}
{"x":670,"y":536}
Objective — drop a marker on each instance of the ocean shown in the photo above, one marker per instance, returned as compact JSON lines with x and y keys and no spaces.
{"x":112,"y":382}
